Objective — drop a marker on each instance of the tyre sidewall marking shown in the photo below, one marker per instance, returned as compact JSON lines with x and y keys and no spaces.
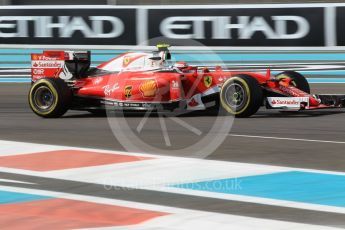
{"x":246,"y":87}
{"x":55,"y":94}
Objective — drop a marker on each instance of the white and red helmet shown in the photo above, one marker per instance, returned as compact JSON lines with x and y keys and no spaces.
{"x":181,"y":64}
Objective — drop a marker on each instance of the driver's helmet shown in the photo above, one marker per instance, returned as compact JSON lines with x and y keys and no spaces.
{"x":181,"y":65}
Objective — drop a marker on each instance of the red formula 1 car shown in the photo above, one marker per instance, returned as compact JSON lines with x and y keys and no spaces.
{"x":63,"y":80}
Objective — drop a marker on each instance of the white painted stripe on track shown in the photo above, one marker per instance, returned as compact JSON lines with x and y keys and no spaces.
{"x":15,"y":181}
{"x":158,"y":174}
{"x":180,"y":219}
{"x":201,"y":221}
{"x":161,"y":172}
{"x":286,"y":138}
{"x":253,"y":199}
{"x":17,"y":148}
{"x":25,"y":148}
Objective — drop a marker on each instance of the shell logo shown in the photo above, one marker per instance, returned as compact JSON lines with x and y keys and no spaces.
{"x":149,"y":88}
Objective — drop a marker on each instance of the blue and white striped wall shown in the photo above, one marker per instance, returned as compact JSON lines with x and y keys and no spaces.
{"x":318,"y":66}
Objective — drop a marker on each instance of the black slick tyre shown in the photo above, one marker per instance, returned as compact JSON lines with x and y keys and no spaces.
{"x":241,"y":96}
{"x":50,"y":97}
{"x":298,"y":80}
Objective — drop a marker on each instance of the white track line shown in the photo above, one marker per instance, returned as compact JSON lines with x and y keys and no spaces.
{"x":287,"y":139}
{"x":15,"y":181}
{"x":179,"y":219}
{"x":161,"y":172}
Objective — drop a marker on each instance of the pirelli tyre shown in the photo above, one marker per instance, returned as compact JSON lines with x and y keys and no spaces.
{"x":241,"y":96}
{"x":50,"y":97}
{"x":298,"y":80}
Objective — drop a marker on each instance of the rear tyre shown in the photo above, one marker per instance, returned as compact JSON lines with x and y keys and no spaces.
{"x":241,"y":96}
{"x":50,"y":97}
{"x":298,"y":80}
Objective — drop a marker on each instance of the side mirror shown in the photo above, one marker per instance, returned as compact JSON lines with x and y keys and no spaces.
{"x":156,"y":58}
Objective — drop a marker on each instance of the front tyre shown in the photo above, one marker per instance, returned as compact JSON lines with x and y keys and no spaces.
{"x":297,"y":80}
{"x":50,"y":97}
{"x":241,"y":96}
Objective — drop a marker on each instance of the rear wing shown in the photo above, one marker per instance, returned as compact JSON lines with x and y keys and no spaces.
{"x":67,"y":65}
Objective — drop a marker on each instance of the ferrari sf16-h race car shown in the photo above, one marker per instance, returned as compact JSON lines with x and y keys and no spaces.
{"x":140,"y":81}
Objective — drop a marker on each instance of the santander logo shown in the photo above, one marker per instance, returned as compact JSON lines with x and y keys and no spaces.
{"x":290,"y":102}
{"x":286,"y":102}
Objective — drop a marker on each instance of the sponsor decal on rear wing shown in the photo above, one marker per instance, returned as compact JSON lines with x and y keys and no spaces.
{"x":54,"y":64}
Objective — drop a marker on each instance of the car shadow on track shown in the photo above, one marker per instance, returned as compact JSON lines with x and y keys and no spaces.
{"x":211,"y":113}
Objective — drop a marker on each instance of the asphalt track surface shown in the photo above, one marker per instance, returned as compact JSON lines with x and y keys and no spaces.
{"x":244,"y":143}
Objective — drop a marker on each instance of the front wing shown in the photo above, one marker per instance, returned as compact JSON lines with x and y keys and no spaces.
{"x":326,"y":101}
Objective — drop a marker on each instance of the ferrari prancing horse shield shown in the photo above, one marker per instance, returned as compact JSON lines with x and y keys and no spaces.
{"x":208,"y":81}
